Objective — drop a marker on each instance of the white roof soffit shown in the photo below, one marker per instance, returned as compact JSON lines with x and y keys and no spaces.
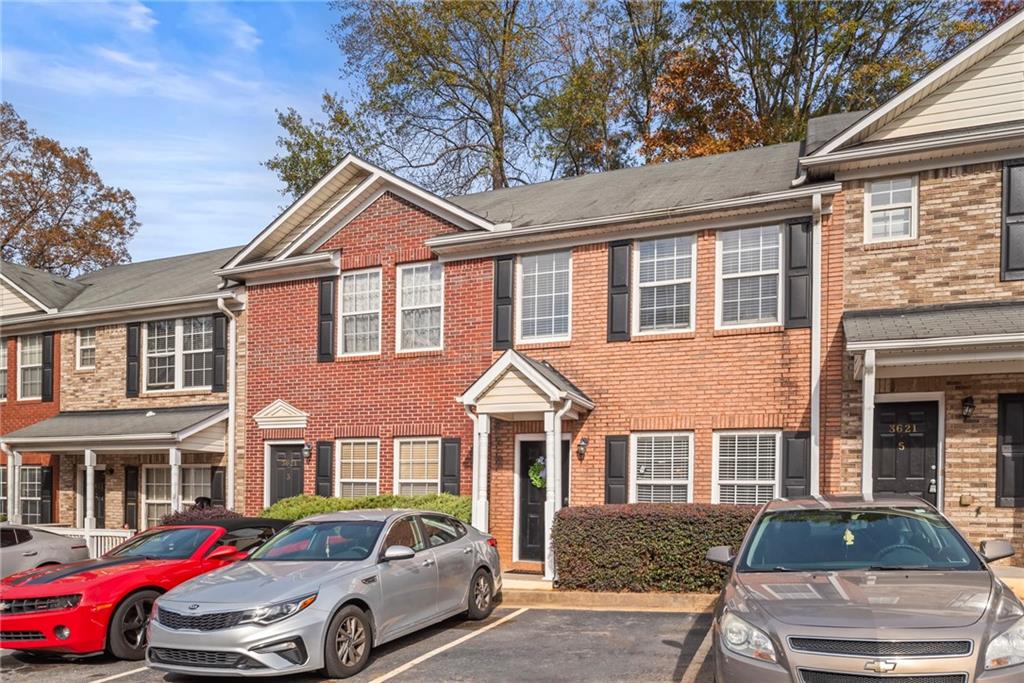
{"x":948,"y":70}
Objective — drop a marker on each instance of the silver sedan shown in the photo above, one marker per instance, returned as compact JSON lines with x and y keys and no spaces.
{"x":323,"y":592}
{"x":23,"y":547}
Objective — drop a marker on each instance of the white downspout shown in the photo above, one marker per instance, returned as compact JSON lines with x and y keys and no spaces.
{"x":816,"y":323}
{"x":229,"y":494}
{"x":554,"y":474}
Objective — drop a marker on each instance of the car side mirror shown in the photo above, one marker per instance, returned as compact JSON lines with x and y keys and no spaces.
{"x":996,"y":550}
{"x":721,"y":554}
{"x":398,"y":552}
{"x":226,"y":553}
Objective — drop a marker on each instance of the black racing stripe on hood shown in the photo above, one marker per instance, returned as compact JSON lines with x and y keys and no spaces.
{"x":67,"y":570}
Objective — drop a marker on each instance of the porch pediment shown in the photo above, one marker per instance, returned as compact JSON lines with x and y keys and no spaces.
{"x":281,"y":415}
{"x":517,"y":387}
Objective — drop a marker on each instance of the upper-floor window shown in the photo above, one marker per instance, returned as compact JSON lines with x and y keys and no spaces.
{"x":86,"y":348}
{"x":30,"y":366}
{"x":664,"y":284}
{"x":420,"y":306}
{"x":545,"y":286}
{"x":890,"y":209}
{"x":360,"y":313}
{"x":748,"y":261}
{"x":417,"y":466}
{"x":179,"y":353}
{"x":3,"y":368}
{"x":746,"y":467}
{"x":662,"y":468}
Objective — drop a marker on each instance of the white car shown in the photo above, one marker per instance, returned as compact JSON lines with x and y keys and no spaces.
{"x":23,"y":547}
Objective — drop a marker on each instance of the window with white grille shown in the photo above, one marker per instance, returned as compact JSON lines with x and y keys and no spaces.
{"x":746,"y":467}
{"x":420,"y":306}
{"x":179,"y":353}
{"x":160,"y":356}
{"x":30,"y":366}
{"x":156,"y":489}
{"x":358,"y":468}
{"x":664,"y":284}
{"x":418,"y":466}
{"x":749,"y":275}
{"x":197,"y":351}
{"x":662,"y":468}
{"x":544,"y":296}
{"x":360,"y":313}
{"x":890,"y":209}
{"x":3,"y":369}
{"x":86,"y":342}
{"x":31,"y":493}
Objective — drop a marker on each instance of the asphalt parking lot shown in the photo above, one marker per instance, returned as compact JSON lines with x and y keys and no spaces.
{"x":524,"y":644}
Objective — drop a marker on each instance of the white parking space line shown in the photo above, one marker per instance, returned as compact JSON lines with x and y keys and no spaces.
{"x":690,"y":675}
{"x":121,"y":675}
{"x":424,"y":657}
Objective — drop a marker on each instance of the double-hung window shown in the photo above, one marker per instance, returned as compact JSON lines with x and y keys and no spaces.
{"x":197,"y":351}
{"x":85,"y":341}
{"x":3,"y":368}
{"x":30,"y":366}
{"x":358,"y":468}
{"x":3,"y":492}
{"x":890,"y":209}
{"x":417,"y":466}
{"x":156,"y":498}
{"x":360,"y":313}
{"x":746,"y":467}
{"x":545,"y":285}
{"x":420,"y":306}
{"x":749,"y":276}
{"x":179,"y":353}
{"x":31,"y":494}
{"x":664,"y":284}
{"x":663,"y":468}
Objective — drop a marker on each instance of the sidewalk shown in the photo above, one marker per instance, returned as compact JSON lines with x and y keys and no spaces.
{"x":1012,"y":577}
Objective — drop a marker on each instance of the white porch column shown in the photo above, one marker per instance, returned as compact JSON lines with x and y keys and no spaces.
{"x":868,"y":426}
{"x":552,"y":465}
{"x":90,"y":490}
{"x":816,"y":327}
{"x":175,"y":458}
{"x":482,"y":434}
{"x":14,"y":486}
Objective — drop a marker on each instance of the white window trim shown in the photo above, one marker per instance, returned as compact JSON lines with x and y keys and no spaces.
{"x":79,"y":347}
{"x":714,"y":460}
{"x":868,"y":209}
{"x":18,"y":368}
{"x":3,"y":361}
{"x":634,"y":437}
{"x":144,"y":501}
{"x":518,"y":304}
{"x":337,"y":465}
{"x":21,"y":496}
{"x":398,"y":308}
{"x":396,"y":481}
{"x":380,"y":311}
{"x":719,"y":325}
{"x":635,"y":288}
{"x":179,"y":357}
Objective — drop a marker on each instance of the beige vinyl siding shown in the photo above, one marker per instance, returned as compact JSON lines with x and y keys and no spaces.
{"x":990,"y":92}
{"x":209,"y":440}
{"x":12,"y":303}
{"x":513,"y":390}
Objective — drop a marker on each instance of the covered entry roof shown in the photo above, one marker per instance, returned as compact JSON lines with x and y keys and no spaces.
{"x":517,"y":385}
{"x":970,"y":322}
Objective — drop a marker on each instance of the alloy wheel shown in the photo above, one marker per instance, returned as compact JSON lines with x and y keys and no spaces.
{"x":482,"y":593}
{"x":133,"y":626}
{"x":351,"y":641}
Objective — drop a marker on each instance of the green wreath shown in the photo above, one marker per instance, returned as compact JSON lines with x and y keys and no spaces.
{"x":537,"y":473}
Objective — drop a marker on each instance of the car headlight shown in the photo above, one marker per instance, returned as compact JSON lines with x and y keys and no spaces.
{"x":1007,"y":648}
{"x":268,"y":614}
{"x":743,"y":639}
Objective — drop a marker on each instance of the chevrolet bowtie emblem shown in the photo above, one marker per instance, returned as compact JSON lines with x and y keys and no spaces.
{"x":4,"y":606}
{"x":880,"y":666}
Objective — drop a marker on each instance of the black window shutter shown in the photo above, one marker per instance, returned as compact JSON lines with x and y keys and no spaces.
{"x":1013,"y":220}
{"x":616,"y":469}
{"x":324,"y":461}
{"x":451,"y":465}
{"x":218,"y":486}
{"x":1010,"y":453}
{"x":504,"y":268}
{"x":131,"y":496}
{"x":796,"y":464}
{"x":131,"y":382}
{"x":799,"y":279}
{"x":618,"y":291}
{"x":47,"y":392}
{"x":45,"y":495}
{"x":220,"y":352}
{"x":325,"y":320}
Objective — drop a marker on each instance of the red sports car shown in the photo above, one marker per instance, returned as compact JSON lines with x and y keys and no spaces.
{"x":102,"y":605}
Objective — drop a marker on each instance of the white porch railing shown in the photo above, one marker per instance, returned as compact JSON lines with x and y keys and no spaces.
{"x":99,"y":541}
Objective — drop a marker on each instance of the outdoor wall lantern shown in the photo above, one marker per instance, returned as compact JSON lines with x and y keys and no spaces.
{"x":581,"y":447}
{"x":307,"y":451}
{"x":967,"y":407}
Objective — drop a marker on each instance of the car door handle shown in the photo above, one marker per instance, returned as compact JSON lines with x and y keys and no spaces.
{"x":30,"y":553}
{"x":467,"y":550}
{"x":428,"y":563}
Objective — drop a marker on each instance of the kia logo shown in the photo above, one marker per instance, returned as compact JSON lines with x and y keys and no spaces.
{"x":193,"y":607}
{"x":880,"y":666}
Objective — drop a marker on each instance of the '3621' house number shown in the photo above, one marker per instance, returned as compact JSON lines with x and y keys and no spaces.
{"x":906,"y":428}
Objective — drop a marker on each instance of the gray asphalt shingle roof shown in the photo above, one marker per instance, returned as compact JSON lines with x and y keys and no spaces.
{"x":94,"y":423}
{"x":823,"y":128}
{"x":935,"y":322}
{"x":554,"y":376}
{"x":52,"y":290}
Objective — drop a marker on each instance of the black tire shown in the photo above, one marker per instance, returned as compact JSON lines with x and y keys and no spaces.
{"x":126,"y":634}
{"x":348,"y":643}
{"x":481,"y":595}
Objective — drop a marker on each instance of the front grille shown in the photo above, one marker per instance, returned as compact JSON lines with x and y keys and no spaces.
{"x":883,"y":648}
{"x":25,"y":605}
{"x":198,"y":622}
{"x":833,"y":677}
{"x":21,"y":635}
{"x":203,"y":658}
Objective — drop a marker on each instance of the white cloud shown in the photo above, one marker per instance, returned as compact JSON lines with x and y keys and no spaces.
{"x":130,"y":15}
{"x":240,"y":33}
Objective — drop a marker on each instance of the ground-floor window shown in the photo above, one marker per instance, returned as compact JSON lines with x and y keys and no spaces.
{"x":156,"y":499}
{"x":358,"y":468}
{"x":31,"y":494}
{"x":746,"y":467}
{"x":662,"y":467}
{"x":417,"y":466}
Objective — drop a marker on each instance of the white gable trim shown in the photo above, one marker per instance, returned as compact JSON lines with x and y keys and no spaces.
{"x":946,"y":71}
{"x":31,"y":299}
{"x":365,"y":184}
{"x":281,"y":415}
{"x":512,"y":360}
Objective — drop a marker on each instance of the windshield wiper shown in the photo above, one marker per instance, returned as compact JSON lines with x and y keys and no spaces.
{"x":904,"y":568}
{"x":786,"y":569}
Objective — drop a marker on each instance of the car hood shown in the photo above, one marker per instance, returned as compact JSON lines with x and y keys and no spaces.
{"x":888,"y":599}
{"x":65,"y":576}
{"x":264,"y":581}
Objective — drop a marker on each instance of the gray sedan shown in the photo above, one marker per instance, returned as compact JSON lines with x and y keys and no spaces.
{"x":23,"y":547}
{"x":323,"y":592}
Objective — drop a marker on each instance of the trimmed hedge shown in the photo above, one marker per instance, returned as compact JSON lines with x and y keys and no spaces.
{"x":645,"y":547}
{"x":195,"y":515}
{"x":299,"y":507}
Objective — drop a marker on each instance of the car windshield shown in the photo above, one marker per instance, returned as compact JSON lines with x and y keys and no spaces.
{"x":328,"y":541}
{"x":163,"y":544}
{"x":880,"y":539}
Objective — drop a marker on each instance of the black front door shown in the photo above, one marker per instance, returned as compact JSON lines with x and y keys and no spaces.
{"x":533,"y":497}
{"x":285,"y":472}
{"x":906,"y":450}
{"x":99,"y":497}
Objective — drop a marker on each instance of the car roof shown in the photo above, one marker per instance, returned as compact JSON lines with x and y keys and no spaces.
{"x":846,"y":501}
{"x":236,"y":523}
{"x":374,"y":515}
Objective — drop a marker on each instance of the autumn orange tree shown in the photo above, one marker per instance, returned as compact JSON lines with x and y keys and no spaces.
{"x":56,"y":214}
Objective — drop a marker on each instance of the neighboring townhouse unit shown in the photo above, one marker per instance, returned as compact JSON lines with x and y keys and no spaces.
{"x":133,"y":415}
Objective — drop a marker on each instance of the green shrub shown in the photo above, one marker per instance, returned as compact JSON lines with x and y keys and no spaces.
{"x":197,"y":515}
{"x":303,"y":506}
{"x":645,"y":547}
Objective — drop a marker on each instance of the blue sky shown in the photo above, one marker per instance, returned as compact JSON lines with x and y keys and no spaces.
{"x":175,"y":101}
